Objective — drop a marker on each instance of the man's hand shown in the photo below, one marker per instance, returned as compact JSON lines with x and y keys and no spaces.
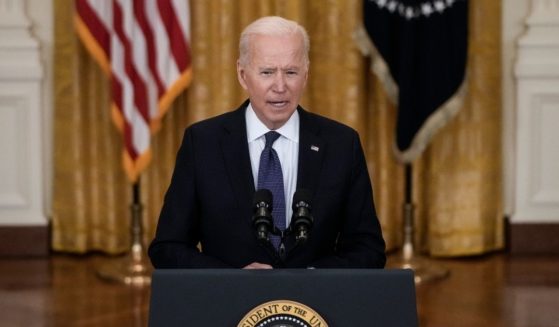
{"x":258,"y":265}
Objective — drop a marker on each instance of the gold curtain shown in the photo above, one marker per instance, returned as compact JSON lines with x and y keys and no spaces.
{"x":457,"y":181}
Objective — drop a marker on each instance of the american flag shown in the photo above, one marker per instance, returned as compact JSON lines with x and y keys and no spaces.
{"x":143,"y":45}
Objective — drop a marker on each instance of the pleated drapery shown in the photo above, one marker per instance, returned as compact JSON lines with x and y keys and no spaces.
{"x":457,"y":180}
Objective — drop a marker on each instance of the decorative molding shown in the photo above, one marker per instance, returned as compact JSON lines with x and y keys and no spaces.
{"x":12,"y":14}
{"x":14,"y":190}
{"x":544,"y":9}
{"x":19,"y":51}
{"x":544,"y":188}
{"x":538,"y":48}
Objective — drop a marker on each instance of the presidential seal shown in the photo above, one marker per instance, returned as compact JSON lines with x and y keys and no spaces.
{"x":282,"y":313}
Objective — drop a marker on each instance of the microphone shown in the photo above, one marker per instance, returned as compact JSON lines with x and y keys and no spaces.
{"x":262,"y":217}
{"x":302,"y":219}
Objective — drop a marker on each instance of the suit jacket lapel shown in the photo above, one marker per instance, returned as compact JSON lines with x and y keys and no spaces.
{"x":311,"y":153}
{"x":234,"y":146}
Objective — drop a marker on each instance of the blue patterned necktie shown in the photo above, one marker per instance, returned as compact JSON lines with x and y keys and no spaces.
{"x":270,"y":177}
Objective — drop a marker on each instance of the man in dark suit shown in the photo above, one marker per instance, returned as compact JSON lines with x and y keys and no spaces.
{"x":206,"y":219}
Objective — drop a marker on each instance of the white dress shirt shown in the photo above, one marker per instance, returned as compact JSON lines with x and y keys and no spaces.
{"x":286,"y":146}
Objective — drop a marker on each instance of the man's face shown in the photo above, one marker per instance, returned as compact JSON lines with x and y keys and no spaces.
{"x":274,"y":77}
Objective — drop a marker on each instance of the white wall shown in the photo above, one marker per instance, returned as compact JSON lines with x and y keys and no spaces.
{"x":25,"y":113}
{"x":536,"y":143}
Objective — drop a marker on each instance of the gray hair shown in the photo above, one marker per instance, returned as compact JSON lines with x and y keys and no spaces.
{"x":271,"y":26}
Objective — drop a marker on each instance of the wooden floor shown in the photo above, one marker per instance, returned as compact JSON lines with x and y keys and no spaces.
{"x":494,"y":290}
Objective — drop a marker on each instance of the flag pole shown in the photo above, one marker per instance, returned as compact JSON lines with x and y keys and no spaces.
{"x":424,"y":268}
{"x":134,"y":268}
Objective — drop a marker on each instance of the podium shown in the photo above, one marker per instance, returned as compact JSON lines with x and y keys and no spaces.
{"x":283,"y":297}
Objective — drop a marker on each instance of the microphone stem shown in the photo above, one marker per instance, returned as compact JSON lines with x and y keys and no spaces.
{"x":281,"y":251}
{"x":301,"y":236}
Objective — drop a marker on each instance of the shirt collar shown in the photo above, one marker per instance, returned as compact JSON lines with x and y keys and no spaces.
{"x":255,"y":128}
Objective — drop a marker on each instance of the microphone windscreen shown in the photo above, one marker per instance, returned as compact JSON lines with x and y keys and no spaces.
{"x":301,"y":195}
{"x":262,"y":195}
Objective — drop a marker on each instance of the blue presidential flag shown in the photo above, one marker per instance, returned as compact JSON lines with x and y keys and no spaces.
{"x":419,"y":51}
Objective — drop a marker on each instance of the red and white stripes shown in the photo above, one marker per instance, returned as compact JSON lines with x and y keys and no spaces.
{"x":143,"y":45}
